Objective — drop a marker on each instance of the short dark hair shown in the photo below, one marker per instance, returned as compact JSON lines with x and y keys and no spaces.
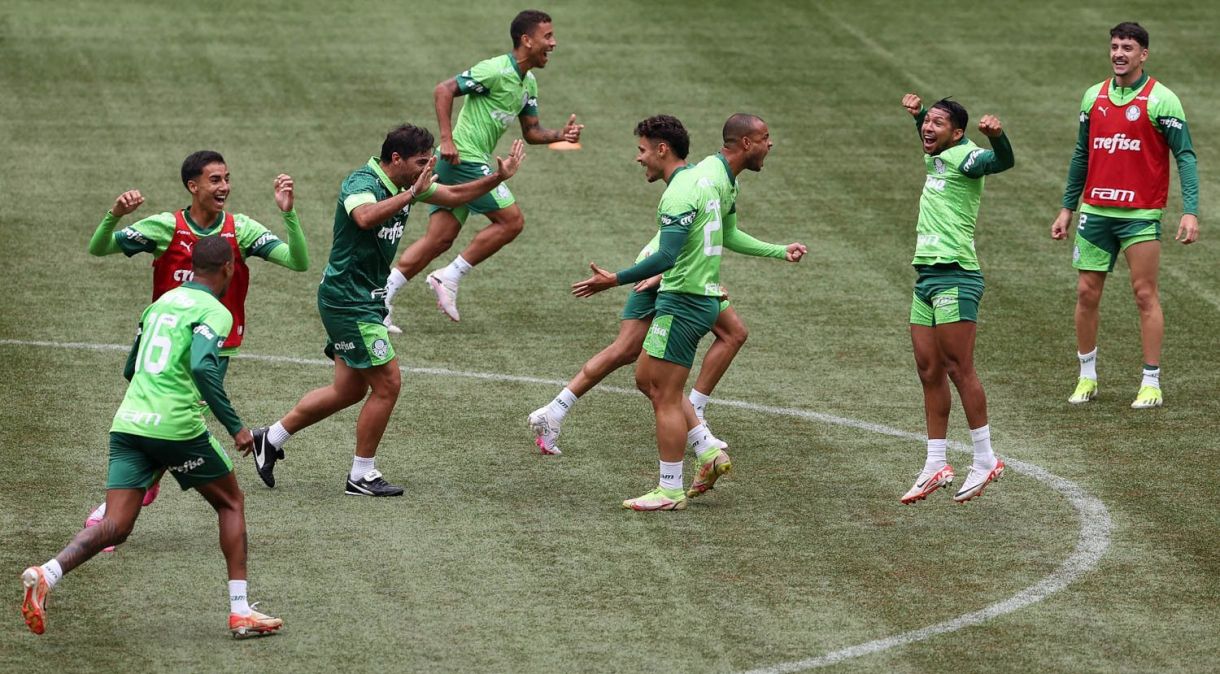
{"x":958,"y":116}
{"x":1130,"y":30}
{"x":193,"y":165}
{"x":525,"y":22}
{"x":407,"y":141}
{"x":210,"y":253}
{"x":738,"y":126}
{"x":666,"y":129}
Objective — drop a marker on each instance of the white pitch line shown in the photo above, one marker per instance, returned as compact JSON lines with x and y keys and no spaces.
{"x":1091,"y":544}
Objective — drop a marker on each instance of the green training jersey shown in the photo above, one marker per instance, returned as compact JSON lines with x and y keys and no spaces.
{"x":949,"y":208}
{"x":163,"y":400}
{"x":360,"y":259}
{"x":496,"y":94}
{"x":1167,"y":116}
{"x":695,"y":202}
{"x":154,"y":234}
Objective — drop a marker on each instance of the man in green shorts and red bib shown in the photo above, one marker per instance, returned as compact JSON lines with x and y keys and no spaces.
{"x":497,"y":91}
{"x":170,"y":237}
{"x":1129,"y":124}
{"x":945,"y":304}
{"x":697,"y":219}
{"x":175,"y":372}
{"x":370,"y":218}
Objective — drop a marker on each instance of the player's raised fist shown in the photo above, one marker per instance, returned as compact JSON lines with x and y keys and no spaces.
{"x":571,"y":131}
{"x":283,"y":192}
{"x":795,"y":252}
{"x":507,"y":167}
{"x":990,"y":126}
{"x":449,"y":151}
{"x":127,"y":202}
{"x":912,"y":103}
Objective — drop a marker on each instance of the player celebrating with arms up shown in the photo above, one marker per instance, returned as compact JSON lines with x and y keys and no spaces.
{"x":697,"y":219}
{"x":1128,"y":126}
{"x":945,"y":305}
{"x":497,"y":91}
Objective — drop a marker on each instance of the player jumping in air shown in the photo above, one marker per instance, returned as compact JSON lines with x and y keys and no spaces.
{"x":697,"y":219}
{"x":497,"y":91}
{"x":1128,"y":126}
{"x":945,"y":305}
{"x":170,"y":237}
{"x":662,"y":149}
{"x":173,"y":365}
{"x":370,"y":217}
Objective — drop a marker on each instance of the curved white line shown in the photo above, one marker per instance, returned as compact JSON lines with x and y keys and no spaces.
{"x":1091,"y":544}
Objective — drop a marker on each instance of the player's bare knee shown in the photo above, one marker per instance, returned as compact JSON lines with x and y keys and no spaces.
{"x":511,"y":224}
{"x":1146,"y":297}
{"x":737,"y":336}
{"x":625,"y":355}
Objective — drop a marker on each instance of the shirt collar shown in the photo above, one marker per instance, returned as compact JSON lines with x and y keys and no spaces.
{"x":727,"y":169}
{"x":375,"y":164}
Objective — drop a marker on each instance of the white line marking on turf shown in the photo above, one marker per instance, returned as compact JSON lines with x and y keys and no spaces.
{"x":886,"y":55}
{"x":1091,"y":544}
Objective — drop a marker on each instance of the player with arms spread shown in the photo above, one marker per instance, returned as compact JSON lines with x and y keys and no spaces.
{"x":170,"y":238}
{"x":370,"y":217}
{"x":497,"y":91}
{"x":697,"y":219}
{"x":1128,"y":126}
{"x":945,"y":304}
{"x":173,"y":365}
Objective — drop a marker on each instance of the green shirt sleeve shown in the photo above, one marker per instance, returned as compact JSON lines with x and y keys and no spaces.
{"x":670,"y":246}
{"x":358,"y":189}
{"x":102,"y":242}
{"x":209,"y":377}
{"x":150,"y":235}
{"x":129,"y":368}
{"x":740,"y":242}
{"x":530,"y":109}
{"x":292,"y":255}
{"x":987,"y":162}
{"x":479,"y":79}
{"x":1170,"y":119}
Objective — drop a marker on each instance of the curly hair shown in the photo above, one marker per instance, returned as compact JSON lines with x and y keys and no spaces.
{"x":666,"y":129}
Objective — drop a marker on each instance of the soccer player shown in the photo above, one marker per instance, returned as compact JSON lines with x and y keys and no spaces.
{"x":662,"y":149}
{"x":1129,"y":124}
{"x":945,"y":304}
{"x":498,"y":90}
{"x":170,"y":237}
{"x":697,"y":219}
{"x":174,"y":363}
{"x":370,"y":217}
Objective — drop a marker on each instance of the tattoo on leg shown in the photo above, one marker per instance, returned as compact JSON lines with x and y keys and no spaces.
{"x":86,"y":544}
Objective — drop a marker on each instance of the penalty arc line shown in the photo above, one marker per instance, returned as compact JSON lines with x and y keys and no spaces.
{"x":1091,"y":543}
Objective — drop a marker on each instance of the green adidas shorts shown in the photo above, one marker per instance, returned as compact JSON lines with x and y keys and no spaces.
{"x":681,"y":320}
{"x":136,"y":461}
{"x":1100,"y":239}
{"x":356,"y":334}
{"x":946,"y":294}
{"x":468,"y":171}
{"x":643,"y":306}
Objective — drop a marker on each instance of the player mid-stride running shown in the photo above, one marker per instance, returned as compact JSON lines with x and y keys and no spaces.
{"x":945,"y":306}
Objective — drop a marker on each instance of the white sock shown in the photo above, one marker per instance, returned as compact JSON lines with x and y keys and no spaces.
{"x":936,"y":454}
{"x":699,"y":402}
{"x":278,"y":435}
{"x":1152,"y":377}
{"x":1088,"y":364}
{"x":394,"y":284}
{"x":456,"y":270}
{"x":671,"y":475}
{"x":98,"y":512}
{"x":983,"y":456}
{"x":237,"y":598}
{"x":54,"y":571}
{"x":360,"y":467}
{"x":699,"y":439}
{"x":562,"y":404}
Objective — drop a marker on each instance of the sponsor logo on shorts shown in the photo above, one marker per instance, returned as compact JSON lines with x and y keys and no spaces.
{"x":502,"y":191}
{"x":391,"y":233}
{"x":658,"y":331}
{"x":1076,"y":254}
{"x":381,"y":348}
{"x":1112,"y":194}
{"x":942,"y":301}
{"x":184,"y":275}
{"x":345,"y":346}
{"x":934,"y":183}
{"x":187,"y":466}
{"x":140,"y":418}
{"x":1133,"y":113}
{"x":1119,"y":142}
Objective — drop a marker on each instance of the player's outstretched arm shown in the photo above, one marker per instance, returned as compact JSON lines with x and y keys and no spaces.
{"x":102,"y":242}
{"x":370,"y":215}
{"x":599,"y":281}
{"x":442,"y":100}
{"x":456,"y":195}
{"x":534,"y":134}
{"x":987,"y":162}
{"x":914,"y":105}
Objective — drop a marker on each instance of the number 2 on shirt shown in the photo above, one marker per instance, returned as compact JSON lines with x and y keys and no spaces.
{"x":712,"y":208}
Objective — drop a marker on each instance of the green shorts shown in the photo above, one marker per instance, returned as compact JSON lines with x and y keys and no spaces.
{"x":136,"y":461}
{"x":357,"y":335}
{"x":1100,"y":239}
{"x":681,"y":320}
{"x":946,"y":294}
{"x":468,"y":171}
{"x":643,"y":306}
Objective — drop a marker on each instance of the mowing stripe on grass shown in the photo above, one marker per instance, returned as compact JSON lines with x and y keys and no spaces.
{"x":1091,"y":544}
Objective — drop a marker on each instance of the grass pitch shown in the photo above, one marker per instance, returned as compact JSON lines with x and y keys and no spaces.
{"x":499,"y":559}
